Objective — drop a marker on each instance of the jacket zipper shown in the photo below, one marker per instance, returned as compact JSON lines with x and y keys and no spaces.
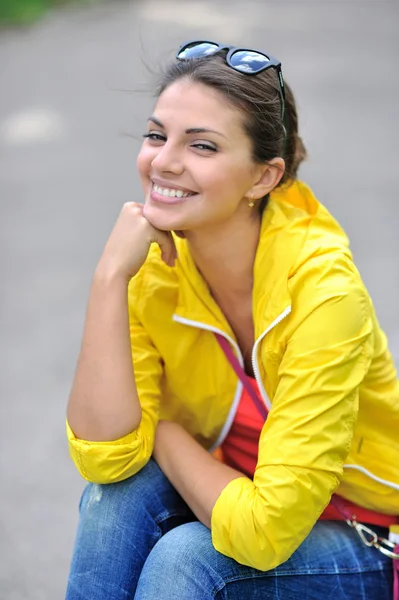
{"x":230,"y":417}
{"x":255,"y":366}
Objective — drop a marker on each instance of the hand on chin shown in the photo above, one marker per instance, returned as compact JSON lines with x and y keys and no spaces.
{"x":147,"y":215}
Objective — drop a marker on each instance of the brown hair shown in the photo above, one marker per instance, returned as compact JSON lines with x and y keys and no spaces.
{"x":258,"y":97}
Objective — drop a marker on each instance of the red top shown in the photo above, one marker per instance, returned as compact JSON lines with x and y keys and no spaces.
{"x":240,"y":447}
{"x":240,"y":451}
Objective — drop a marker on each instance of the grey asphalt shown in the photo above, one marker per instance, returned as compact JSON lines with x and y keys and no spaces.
{"x":73,"y":103}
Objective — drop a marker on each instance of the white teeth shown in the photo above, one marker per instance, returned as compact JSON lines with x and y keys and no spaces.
{"x":170,"y":193}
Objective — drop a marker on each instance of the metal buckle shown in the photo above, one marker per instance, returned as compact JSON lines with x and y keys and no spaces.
{"x":371,"y":539}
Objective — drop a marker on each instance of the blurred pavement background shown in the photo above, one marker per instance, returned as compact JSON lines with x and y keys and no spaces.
{"x":69,"y":134}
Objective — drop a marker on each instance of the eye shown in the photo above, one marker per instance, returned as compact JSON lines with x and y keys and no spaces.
{"x":202,"y":146}
{"x":155,"y":137}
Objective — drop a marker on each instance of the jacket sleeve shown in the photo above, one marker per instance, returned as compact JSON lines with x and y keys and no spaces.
{"x":111,"y":461}
{"x":308,"y":433}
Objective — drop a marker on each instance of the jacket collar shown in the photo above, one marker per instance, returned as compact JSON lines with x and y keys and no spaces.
{"x":282,"y":235}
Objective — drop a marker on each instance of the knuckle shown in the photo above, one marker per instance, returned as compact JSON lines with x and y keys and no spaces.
{"x":132,"y":207}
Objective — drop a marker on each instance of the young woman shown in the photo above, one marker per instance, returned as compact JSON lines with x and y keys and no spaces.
{"x":241,"y":298}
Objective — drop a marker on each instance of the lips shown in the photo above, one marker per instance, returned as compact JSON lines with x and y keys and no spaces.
{"x":169,"y":192}
{"x":170,"y":200}
{"x":170,"y":185}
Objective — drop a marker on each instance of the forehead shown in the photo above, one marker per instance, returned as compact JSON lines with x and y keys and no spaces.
{"x":187,"y":104}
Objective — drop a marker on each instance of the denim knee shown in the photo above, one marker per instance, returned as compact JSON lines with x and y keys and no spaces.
{"x":131,"y":492}
{"x":119,"y":525}
{"x":146,"y":496}
{"x":183,"y":564}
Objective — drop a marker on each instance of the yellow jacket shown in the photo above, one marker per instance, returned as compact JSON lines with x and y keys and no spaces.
{"x":321,"y":362}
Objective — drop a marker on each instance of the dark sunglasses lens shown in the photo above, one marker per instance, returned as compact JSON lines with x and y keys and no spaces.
{"x":248,"y":62}
{"x":197,"y":50}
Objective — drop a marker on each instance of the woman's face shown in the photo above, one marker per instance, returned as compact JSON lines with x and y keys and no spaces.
{"x":195,"y":165}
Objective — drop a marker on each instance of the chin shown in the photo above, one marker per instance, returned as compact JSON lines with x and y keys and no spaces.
{"x":160,"y":219}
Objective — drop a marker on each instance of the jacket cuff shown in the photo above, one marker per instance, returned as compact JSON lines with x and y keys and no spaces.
{"x":110,"y":461}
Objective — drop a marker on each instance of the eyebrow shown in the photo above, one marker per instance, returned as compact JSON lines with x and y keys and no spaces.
{"x":191,"y":130}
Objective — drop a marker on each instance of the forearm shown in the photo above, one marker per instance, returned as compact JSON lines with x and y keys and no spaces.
{"x":103,"y":403}
{"x":194,"y":473}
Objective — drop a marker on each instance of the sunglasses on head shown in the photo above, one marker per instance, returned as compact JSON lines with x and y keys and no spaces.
{"x":243,"y":60}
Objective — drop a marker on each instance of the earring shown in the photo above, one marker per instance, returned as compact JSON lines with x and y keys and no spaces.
{"x":251,"y":203}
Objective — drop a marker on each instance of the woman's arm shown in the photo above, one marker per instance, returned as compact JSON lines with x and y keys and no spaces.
{"x":111,"y":461}
{"x":104,"y":404}
{"x":194,"y":473}
{"x":308,"y":433}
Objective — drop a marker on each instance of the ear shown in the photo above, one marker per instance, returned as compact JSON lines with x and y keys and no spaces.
{"x":267,"y":177}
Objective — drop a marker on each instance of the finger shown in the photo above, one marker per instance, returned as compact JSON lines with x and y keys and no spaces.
{"x":168,"y":248}
{"x":173,"y":245}
{"x":171,"y":253}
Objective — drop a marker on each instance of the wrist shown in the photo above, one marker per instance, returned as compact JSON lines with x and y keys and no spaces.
{"x":163,"y":432}
{"x":106,"y":275}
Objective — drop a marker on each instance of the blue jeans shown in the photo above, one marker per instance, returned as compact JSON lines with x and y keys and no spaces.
{"x":138,"y":539}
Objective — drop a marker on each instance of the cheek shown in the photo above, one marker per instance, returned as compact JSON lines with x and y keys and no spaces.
{"x":229,"y":179}
{"x":144,"y":160}
{"x":212,"y":177}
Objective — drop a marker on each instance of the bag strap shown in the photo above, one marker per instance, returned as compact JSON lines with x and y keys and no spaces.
{"x":245,"y":380}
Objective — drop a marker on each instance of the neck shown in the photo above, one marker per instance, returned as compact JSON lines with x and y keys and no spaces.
{"x":225,"y":256}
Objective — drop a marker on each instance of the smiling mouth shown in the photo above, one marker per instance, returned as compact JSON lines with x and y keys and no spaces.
{"x":171,"y":192}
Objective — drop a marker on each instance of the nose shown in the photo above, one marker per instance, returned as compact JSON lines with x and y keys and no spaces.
{"x":168,"y":160}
